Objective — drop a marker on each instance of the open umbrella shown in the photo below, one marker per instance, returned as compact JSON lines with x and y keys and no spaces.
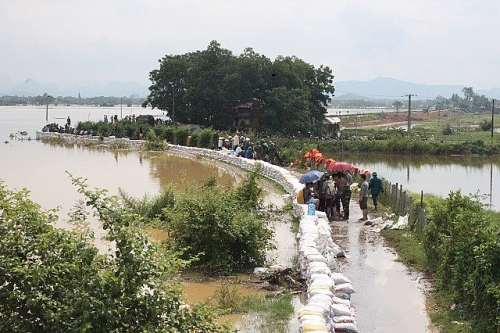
{"x":339,"y":166}
{"x":310,"y":176}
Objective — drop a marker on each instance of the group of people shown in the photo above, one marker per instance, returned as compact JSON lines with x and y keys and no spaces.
{"x":333,"y":191}
{"x":243,"y":147}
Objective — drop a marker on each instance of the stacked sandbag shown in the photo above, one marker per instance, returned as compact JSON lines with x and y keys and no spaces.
{"x":328,"y":307}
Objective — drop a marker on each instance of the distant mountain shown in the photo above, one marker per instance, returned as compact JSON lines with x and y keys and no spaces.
{"x":31,"y":87}
{"x":388,"y":88}
{"x":379,"y":88}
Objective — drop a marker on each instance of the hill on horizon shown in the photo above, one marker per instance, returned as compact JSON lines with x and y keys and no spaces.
{"x":389,"y":88}
{"x":378,"y":88}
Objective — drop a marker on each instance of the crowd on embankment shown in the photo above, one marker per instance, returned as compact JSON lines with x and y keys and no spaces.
{"x":328,"y":290}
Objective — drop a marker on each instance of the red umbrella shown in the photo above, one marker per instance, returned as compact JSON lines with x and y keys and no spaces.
{"x":339,"y":166}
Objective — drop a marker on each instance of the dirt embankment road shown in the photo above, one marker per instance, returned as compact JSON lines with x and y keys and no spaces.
{"x":388,"y":119}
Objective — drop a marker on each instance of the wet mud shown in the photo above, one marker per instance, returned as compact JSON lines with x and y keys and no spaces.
{"x":388,"y":297}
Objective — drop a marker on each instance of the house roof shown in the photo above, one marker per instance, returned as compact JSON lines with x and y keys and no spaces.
{"x":332,"y":120}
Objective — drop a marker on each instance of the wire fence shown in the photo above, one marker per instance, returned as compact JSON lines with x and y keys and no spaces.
{"x":402,"y":204}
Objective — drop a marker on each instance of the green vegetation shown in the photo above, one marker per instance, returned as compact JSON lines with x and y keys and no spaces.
{"x":119,"y":145}
{"x":202,"y":216}
{"x":276,"y":311}
{"x":460,"y":249}
{"x":205,"y":87}
{"x":54,"y":280}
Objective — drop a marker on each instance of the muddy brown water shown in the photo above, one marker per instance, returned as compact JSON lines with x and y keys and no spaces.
{"x":387,"y":299}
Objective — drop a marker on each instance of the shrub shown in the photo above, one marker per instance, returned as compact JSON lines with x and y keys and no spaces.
{"x":181,"y":136}
{"x":447,"y":130}
{"x":462,"y":247}
{"x":207,"y":215}
{"x":206,"y":138}
{"x":55,"y":280}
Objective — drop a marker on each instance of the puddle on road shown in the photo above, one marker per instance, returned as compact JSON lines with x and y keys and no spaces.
{"x":387,"y":298}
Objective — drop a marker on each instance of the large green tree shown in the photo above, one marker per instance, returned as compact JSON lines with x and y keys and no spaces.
{"x":207,"y":86}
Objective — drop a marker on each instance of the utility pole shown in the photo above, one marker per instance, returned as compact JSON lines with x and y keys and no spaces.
{"x":492,"y":113}
{"x":409,"y":111}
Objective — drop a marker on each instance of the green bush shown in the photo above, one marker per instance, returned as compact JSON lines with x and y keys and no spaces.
{"x":207,"y":215}
{"x":55,"y":280}
{"x":181,"y":136}
{"x":206,"y":138}
{"x":463,"y":249}
{"x":193,"y":140}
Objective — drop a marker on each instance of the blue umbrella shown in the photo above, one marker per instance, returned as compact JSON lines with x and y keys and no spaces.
{"x":311,"y":176}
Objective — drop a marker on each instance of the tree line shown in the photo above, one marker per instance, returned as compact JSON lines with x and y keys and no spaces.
{"x":205,"y":87}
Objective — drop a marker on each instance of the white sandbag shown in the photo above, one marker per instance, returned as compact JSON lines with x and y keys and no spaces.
{"x":340,"y":278}
{"x":320,"y":320}
{"x":316,"y":258}
{"x":313,"y":328}
{"x":338,"y":300}
{"x":313,"y":292}
{"x":312,"y":309}
{"x":344,"y":288}
{"x":319,"y":276}
{"x":344,"y":319}
{"x":341,"y":310}
{"x":320,"y":298}
{"x":317,"y":269}
{"x":402,"y":223}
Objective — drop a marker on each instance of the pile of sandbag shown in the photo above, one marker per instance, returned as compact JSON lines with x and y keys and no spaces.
{"x":328,"y":307}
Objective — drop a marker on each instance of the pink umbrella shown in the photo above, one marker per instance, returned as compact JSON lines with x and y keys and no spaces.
{"x":339,"y":166}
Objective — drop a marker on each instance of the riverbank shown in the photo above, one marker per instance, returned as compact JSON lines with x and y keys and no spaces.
{"x":370,"y":302}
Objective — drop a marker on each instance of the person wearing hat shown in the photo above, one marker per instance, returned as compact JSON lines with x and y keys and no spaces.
{"x":375,"y":187}
{"x":236,"y":140}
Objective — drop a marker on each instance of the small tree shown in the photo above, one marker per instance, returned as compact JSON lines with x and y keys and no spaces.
{"x":485,"y":125}
{"x":397,"y":105}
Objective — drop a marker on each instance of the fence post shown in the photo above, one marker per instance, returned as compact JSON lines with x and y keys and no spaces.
{"x":400,"y":204}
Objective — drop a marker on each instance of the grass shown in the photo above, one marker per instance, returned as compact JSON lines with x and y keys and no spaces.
{"x":444,"y":317}
{"x":274,"y":312}
{"x":410,"y":250}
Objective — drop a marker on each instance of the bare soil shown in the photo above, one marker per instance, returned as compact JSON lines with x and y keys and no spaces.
{"x":399,"y":118}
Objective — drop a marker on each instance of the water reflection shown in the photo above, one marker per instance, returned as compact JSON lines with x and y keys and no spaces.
{"x":438,"y":175}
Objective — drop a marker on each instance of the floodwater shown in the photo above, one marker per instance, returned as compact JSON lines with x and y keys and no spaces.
{"x":388,"y":298}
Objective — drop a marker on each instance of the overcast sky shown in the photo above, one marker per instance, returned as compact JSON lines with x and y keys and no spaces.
{"x":425,"y":41}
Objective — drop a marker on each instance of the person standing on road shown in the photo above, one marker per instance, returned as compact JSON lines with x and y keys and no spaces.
{"x":363,"y":197}
{"x":345,"y":196}
{"x":321,"y":194}
{"x":375,"y":186}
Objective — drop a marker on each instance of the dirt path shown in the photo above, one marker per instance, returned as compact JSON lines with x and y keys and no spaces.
{"x":388,"y":298}
{"x":393,"y":119}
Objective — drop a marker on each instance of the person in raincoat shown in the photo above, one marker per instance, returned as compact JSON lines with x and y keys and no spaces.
{"x":375,"y":187}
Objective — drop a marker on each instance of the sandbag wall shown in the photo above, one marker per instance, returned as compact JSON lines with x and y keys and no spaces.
{"x":94,"y":139}
{"x":328,"y":307}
